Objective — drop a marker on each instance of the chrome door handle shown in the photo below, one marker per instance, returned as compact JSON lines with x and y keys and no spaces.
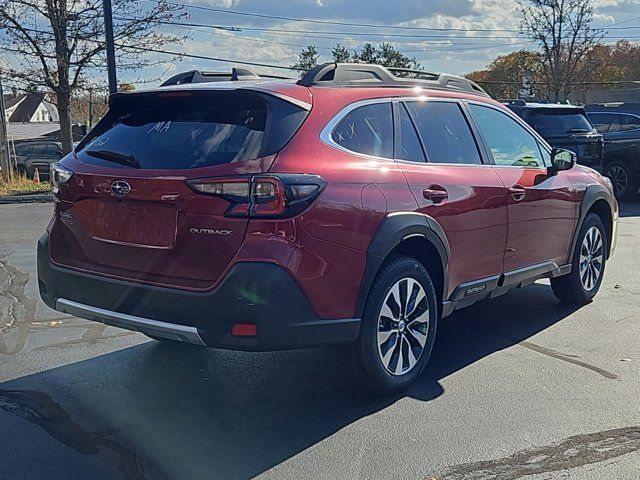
{"x":517,"y":192}
{"x":435,"y":193}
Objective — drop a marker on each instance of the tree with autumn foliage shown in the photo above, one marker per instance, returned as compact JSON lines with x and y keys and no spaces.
{"x":515,"y":75}
{"x":522,"y":74}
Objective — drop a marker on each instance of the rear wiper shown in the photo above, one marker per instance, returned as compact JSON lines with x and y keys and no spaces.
{"x":115,"y":157}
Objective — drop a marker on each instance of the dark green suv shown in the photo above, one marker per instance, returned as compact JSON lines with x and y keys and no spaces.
{"x":38,"y":155}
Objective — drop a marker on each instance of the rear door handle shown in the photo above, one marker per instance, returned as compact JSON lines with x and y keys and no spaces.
{"x":517,"y":192}
{"x":435,"y":193}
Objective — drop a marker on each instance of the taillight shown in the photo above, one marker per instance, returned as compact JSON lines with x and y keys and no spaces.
{"x":263,"y":196}
{"x":59,"y":176}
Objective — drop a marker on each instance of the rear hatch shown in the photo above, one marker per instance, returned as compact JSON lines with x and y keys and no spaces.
{"x":129,"y":209}
{"x":570,"y":129}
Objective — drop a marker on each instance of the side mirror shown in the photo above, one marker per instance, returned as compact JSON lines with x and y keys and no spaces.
{"x":562,"y":159}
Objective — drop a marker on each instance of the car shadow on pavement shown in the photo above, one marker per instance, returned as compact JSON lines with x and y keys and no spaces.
{"x":630,"y":208}
{"x":175,"y":411}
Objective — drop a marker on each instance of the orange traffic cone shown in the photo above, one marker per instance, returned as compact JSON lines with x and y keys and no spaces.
{"x":36,"y":176}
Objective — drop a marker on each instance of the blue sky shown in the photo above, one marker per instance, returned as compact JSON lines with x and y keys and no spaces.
{"x":453,"y":51}
{"x":480,"y":30}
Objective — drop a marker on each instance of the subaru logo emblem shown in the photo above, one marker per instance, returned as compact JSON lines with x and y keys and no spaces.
{"x":120,"y":188}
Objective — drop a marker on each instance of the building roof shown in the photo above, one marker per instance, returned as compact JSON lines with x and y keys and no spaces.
{"x":26,"y":107}
{"x":12,"y":99}
{"x":23,"y":131}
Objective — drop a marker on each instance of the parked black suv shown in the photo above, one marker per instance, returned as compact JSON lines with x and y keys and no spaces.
{"x":563,"y":126}
{"x":619,"y":123}
{"x":37,"y":154}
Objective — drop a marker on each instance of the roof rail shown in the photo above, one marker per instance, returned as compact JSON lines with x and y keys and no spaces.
{"x":197,"y":76}
{"x":371,"y":75}
{"x":520,"y":102}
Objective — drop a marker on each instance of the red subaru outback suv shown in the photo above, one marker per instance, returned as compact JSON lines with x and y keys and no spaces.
{"x":355,"y":206}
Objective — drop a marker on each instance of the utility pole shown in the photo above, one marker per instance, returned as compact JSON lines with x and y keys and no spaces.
{"x":4,"y":145}
{"x":90,"y":108}
{"x":111,"y":51}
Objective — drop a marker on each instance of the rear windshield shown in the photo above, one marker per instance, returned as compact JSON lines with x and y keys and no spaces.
{"x":183,"y":130}
{"x":549,"y":121}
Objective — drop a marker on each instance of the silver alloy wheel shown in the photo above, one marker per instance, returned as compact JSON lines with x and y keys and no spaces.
{"x":619,"y":178}
{"x":403,"y":326}
{"x":591,"y":256}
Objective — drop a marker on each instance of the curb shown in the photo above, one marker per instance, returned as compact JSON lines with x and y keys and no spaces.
{"x":39,"y":198}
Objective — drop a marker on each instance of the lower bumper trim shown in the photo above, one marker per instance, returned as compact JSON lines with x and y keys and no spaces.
{"x":154,"y":328}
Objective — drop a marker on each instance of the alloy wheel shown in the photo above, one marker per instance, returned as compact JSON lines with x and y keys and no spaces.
{"x":619,"y":179}
{"x":403,"y":326}
{"x":591,"y":258}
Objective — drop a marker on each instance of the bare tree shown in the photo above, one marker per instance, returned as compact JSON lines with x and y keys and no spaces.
{"x":55,"y":43}
{"x":563,"y":30}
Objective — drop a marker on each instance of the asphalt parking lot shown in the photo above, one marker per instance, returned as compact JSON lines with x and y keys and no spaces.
{"x":520,"y":387}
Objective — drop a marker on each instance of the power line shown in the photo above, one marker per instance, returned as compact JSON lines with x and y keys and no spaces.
{"x":321,"y":34}
{"x":334,"y":22}
{"x":205,"y":57}
{"x":298,"y":45}
{"x":436,"y":38}
{"x":624,"y":21}
{"x":374,"y":25}
{"x":342,"y":33}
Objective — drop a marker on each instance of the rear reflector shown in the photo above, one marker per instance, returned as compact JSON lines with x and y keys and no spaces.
{"x":244,"y":330}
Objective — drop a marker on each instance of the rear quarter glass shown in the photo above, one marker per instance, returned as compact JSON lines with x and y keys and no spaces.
{"x":191,"y":130}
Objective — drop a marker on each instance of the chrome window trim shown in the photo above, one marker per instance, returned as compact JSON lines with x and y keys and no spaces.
{"x":325,"y":133}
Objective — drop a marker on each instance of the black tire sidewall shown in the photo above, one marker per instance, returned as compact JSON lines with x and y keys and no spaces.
{"x":632,"y":181}
{"x":377,"y":378}
{"x":591,"y":220}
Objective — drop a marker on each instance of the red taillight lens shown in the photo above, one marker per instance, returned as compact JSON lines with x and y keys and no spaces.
{"x":244,"y":330}
{"x":273,"y":196}
{"x":268,"y":197}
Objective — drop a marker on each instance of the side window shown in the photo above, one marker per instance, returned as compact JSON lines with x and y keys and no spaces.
{"x":23,"y":149}
{"x":615,"y":123}
{"x":509,"y":142}
{"x":38,"y":150}
{"x":546,"y":155}
{"x":53,"y":150}
{"x":630,"y":122}
{"x":601,"y":121}
{"x":444,"y":131}
{"x":367,"y":129}
{"x":410,"y":148}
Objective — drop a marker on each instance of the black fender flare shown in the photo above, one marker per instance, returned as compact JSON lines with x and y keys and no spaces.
{"x":592,"y":194}
{"x":394,"y":229}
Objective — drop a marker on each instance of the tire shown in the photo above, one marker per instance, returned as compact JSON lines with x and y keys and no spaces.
{"x":375,"y":361}
{"x":581,"y":285}
{"x":625,"y":183}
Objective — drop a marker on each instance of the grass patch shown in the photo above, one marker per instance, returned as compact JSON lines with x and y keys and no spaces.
{"x":21,"y":185}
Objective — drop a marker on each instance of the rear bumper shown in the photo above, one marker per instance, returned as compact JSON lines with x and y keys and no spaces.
{"x":252,"y":292}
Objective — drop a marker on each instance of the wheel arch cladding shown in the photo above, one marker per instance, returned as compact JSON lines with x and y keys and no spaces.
{"x":412,"y":234}
{"x":596,"y":200}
